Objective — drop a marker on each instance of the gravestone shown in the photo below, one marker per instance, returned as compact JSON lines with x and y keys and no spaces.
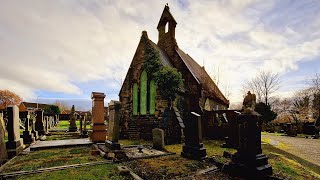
{"x":84,"y":132}
{"x":99,"y":132}
{"x":15,"y":143}
{"x":113,"y":125}
{"x":39,"y":125}
{"x":73,"y":125}
{"x":158,"y":139}
{"x":33,"y":126}
{"x":81,"y":123}
{"x":3,"y":149}
{"x":193,"y":147}
{"x":28,"y":137}
{"x":249,"y":161}
{"x":46,"y":124}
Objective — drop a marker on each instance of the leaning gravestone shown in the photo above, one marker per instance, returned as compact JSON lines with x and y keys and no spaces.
{"x":113,"y":125}
{"x":193,"y":148}
{"x":158,"y":139}
{"x":39,"y":125}
{"x":3,"y":149}
{"x":14,"y":144}
{"x":27,"y":135}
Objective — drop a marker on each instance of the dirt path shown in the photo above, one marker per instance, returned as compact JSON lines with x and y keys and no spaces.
{"x":308,"y":149}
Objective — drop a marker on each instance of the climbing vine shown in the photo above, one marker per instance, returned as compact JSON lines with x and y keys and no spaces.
{"x":167,"y":79}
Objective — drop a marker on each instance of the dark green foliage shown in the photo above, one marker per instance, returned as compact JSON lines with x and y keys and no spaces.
{"x":265,"y":111}
{"x":168,"y":80}
{"x":152,"y":60}
{"x":52,"y":109}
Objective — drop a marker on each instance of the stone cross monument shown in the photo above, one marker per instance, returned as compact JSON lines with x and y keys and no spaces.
{"x":99,"y":132}
{"x":28,"y":137}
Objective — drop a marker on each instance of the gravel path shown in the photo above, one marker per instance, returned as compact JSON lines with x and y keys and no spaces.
{"x":308,"y":149}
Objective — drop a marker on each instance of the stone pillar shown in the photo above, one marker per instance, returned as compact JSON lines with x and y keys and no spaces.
{"x":39,"y":126}
{"x":193,"y":147}
{"x":99,"y":132}
{"x":113,"y":125}
{"x":28,"y":137}
{"x":81,"y":122}
{"x":249,"y":161}
{"x":158,"y":138}
{"x":14,"y":144}
{"x":3,"y":149}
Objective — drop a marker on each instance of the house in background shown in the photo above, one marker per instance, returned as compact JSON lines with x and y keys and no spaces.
{"x":143,"y":106}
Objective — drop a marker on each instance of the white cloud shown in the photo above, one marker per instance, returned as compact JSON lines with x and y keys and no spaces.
{"x":57,"y":45}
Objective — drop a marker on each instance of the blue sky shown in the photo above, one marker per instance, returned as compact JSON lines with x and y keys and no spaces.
{"x":67,"y":49}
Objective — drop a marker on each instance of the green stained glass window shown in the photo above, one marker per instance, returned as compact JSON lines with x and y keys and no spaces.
{"x":152,"y":97}
{"x":143,"y":93}
{"x":135,"y":99}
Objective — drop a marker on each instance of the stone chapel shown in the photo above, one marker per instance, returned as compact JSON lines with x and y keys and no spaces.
{"x":143,"y":108}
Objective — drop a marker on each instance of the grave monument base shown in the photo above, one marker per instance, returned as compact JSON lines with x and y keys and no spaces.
{"x":98,"y":133}
{"x":194,"y":152}
{"x":245,"y":165}
{"x":28,"y":137}
{"x":14,"y":148}
{"x":112,"y":145}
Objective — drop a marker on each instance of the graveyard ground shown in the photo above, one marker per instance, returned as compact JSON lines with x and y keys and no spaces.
{"x":284,"y":164}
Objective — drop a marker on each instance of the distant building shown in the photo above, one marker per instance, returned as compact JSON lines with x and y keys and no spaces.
{"x":30,"y":106}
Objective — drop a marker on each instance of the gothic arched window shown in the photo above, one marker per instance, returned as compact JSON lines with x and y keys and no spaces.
{"x":135,"y":99}
{"x":143,"y":92}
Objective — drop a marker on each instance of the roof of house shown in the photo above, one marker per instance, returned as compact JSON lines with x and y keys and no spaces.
{"x":34,"y":105}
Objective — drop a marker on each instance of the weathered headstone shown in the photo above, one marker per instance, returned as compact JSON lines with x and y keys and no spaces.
{"x":193,"y":147}
{"x":249,"y":161}
{"x":158,"y":138}
{"x":33,"y":126}
{"x":39,"y":125}
{"x":113,"y":125}
{"x":84,"y":132}
{"x":73,"y":125}
{"x":28,"y":137}
{"x":15,"y":143}
{"x":3,"y":149}
{"x":99,"y":132}
{"x":46,"y":124}
{"x":81,"y":123}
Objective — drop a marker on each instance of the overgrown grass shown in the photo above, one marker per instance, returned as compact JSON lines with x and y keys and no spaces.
{"x":62,"y":135}
{"x":104,"y":171}
{"x":51,"y":158}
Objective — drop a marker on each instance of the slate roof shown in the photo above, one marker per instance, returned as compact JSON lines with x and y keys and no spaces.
{"x":202,"y":77}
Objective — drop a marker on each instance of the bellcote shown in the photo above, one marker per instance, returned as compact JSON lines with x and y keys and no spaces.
{"x":166,"y":28}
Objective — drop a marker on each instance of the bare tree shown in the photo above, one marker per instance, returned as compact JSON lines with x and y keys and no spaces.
{"x":314,"y":84}
{"x":62,"y":105}
{"x":263,"y":85}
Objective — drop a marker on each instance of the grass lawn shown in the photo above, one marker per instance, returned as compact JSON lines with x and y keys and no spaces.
{"x":104,"y":171}
{"x":284,"y":164}
{"x":51,"y":158}
{"x":62,"y":136}
{"x":65,"y":124}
